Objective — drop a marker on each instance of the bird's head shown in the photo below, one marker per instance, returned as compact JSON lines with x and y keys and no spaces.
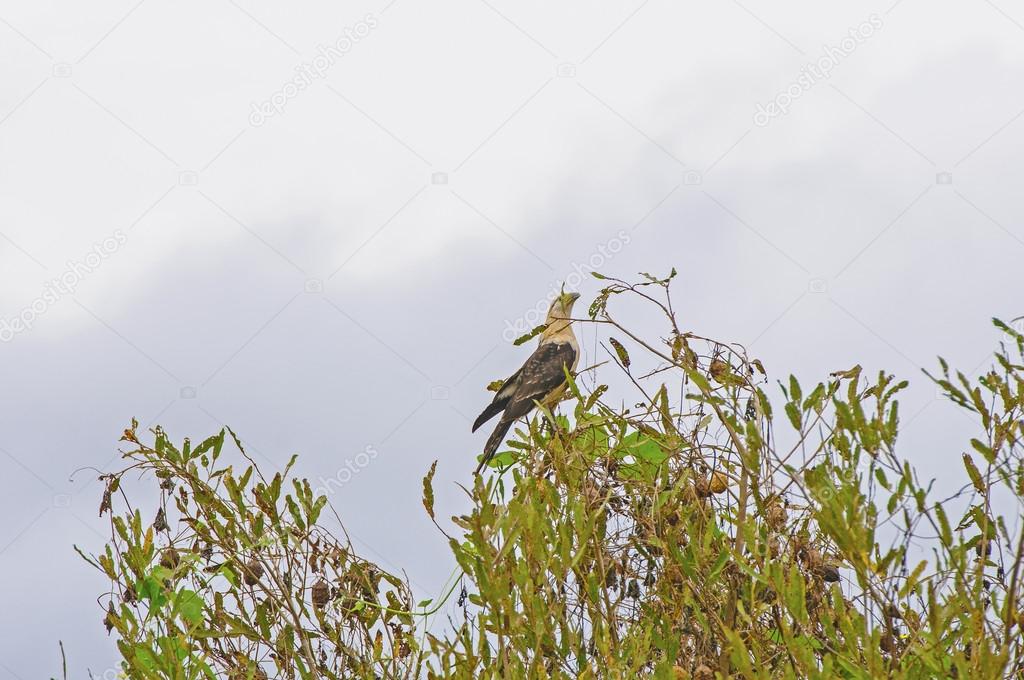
{"x":560,"y":312}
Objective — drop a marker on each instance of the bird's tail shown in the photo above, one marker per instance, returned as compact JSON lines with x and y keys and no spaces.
{"x":494,"y":441}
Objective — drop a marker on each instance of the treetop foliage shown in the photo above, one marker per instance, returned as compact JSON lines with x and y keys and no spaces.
{"x":689,"y":525}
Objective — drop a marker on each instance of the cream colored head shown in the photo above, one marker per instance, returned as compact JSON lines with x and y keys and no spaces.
{"x":559,"y":315}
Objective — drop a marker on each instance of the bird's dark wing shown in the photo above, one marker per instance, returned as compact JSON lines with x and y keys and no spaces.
{"x":501,"y":399}
{"x":543,"y":373}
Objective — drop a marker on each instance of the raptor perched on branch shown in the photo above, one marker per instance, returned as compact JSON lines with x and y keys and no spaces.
{"x":541,"y":380}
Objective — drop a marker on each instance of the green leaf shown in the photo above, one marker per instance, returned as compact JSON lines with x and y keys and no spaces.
{"x":537,"y":330}
{"x":988,"y":454}
{"x":642,"y":447}
{"x":794,"y":390}
{"x":190,"y":606}
{"x":913,"y":579}
{"x":972,"y":472}
{"x":149,"y":588}
{"x":719,"y":564}
{"x":214,"y":443}
{"x":428,"y":490}
{"x":144,"y":657}
{"x":946,"y":533}
{"x":293,"y":510}
{"x":502,"y":459}
{"x":620,"y":351}
{"x":594,"y":437}
{"x":794,"y":415}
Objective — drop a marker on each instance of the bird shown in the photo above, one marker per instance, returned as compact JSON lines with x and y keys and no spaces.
{"x":541,"y":380}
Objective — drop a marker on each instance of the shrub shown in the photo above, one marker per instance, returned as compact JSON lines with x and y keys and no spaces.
{"x":681,"y":525}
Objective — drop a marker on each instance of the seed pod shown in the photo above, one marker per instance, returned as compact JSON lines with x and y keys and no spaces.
{"x":702,"y":488}
{"x":777,"y":516}
{"x":169,"y":558}
{"x":812,"y":599}
{"x":321,"y":594}
{"x":160,"y":523}
{"x":719,"y":483}
{"x":812,"y":558}
{"x":110,"y":620}
{"x":105,"y":503}
{"x":719,"y":370}
{"x":242,"y":672}
{"x":253,"y":572}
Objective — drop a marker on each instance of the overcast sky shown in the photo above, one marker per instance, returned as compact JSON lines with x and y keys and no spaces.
{"x":318,"y":222}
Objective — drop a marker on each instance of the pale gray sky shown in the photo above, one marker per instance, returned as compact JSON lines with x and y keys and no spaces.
{"x":339,"y":271}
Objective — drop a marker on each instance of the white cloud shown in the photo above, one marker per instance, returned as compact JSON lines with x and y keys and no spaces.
{"x":539,"y":169}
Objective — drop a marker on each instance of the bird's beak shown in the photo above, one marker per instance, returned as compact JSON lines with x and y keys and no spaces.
{"x":573,"y":297}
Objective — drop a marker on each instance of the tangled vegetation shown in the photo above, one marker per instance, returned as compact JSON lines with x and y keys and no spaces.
{"x":686,"y":525}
